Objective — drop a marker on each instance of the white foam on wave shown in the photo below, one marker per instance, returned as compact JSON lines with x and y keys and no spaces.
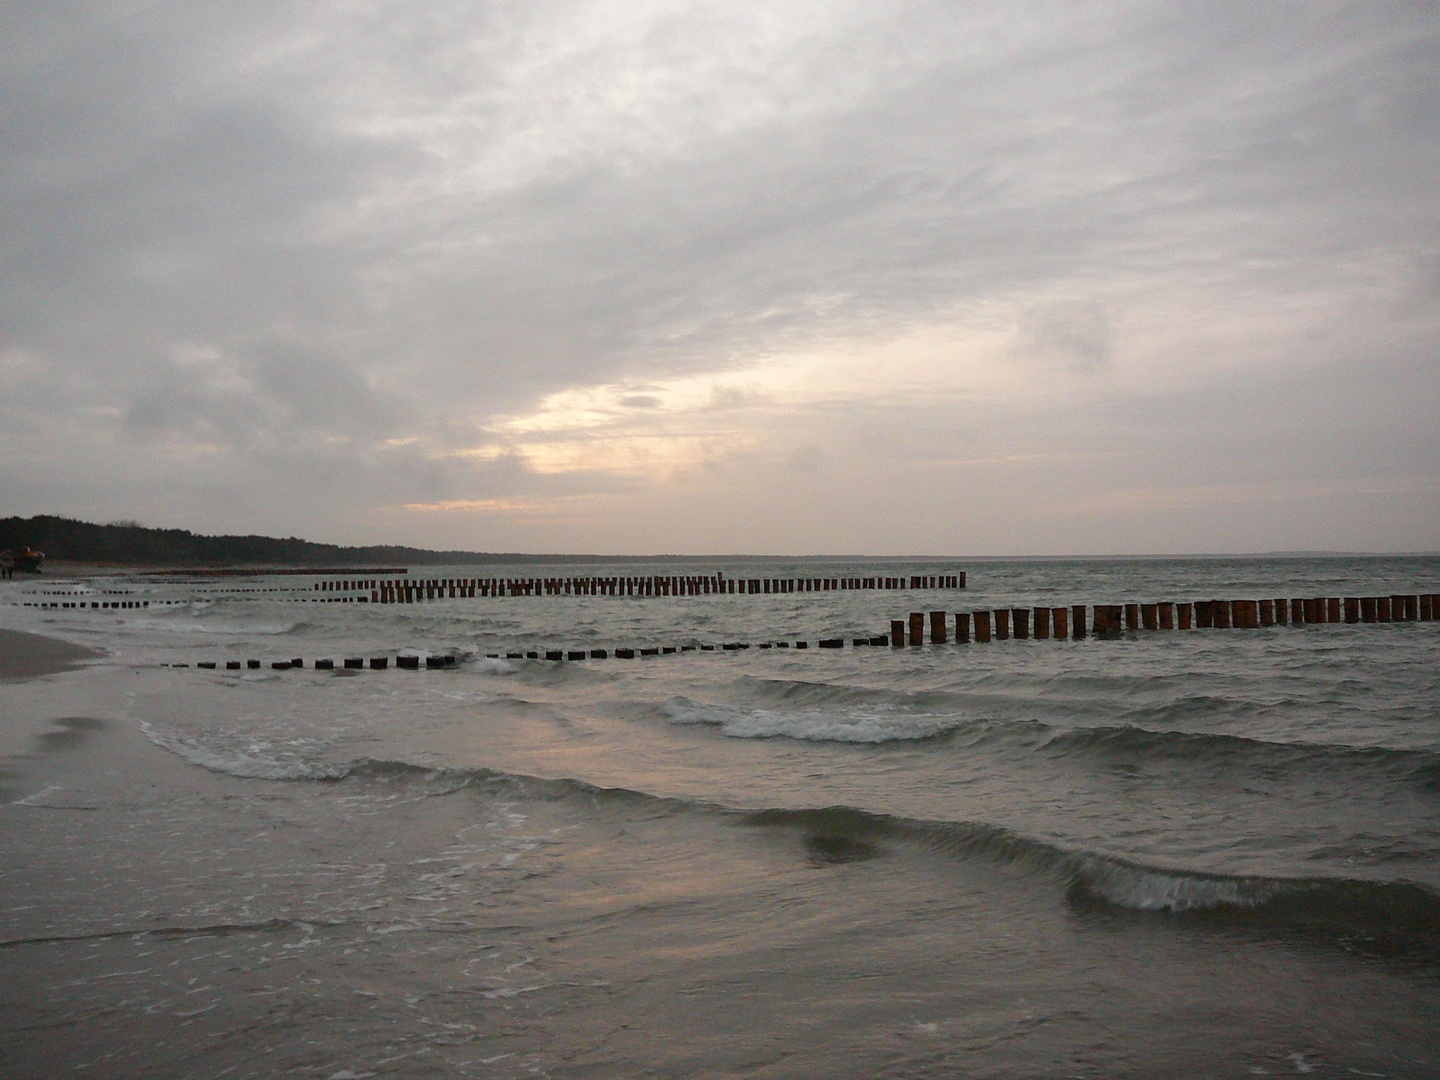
{"x":250,"y":764}
{"x":488,"y":665}
{"x":812,"y":725}
{"x":1155,"y":890}
{"x":219,"y":629}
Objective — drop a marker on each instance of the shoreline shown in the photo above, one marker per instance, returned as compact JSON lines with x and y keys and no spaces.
{"x":27,"y":656}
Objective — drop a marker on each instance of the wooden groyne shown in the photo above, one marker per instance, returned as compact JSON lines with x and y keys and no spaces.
{"x":405,"y":590}
{"x":1111,"y":620}
{"x":398,"y":591}
{"x":997,"y":624}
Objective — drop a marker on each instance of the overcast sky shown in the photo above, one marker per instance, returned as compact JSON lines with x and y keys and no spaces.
{"x":874,"y":277}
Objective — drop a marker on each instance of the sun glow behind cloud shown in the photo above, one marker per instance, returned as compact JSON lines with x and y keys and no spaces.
{"x":582,"y":274}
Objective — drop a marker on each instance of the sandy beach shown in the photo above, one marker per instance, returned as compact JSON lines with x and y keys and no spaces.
{"x":26,"y":656}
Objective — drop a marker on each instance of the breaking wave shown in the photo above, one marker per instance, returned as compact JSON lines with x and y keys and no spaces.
{"x":1395,"y":917}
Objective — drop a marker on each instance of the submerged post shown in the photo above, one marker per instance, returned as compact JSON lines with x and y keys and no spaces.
{"x":1107,"y":620}
{"x":982,"y":626}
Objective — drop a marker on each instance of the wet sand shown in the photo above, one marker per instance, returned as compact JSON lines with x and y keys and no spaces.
{"x":26,"y":656}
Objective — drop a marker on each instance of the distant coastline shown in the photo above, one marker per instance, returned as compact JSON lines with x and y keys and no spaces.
{"x":74,"y":547}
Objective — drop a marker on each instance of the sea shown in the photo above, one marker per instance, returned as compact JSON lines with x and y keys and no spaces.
{"x":1199,"y":853}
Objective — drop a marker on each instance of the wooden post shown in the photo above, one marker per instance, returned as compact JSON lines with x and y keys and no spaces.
{"x":1165,"y":613}
{"x":1150,"y":616}
{"x":1220,"y":614}
{"x":962,"y":626}
{"x":1042,"y":623}
{"x":917,"y":627}
{"x":1185,"y":615}
{"x":1246,"y":614}
{"x":1020,"y":620}
{"x":1332,"y":609}
{"x":1298,"y":616}
{"x":1077,"y":622}
{"x":1132,"y":616}
{"x":1369,"y":609}
{"x":1002,"y":624}
{"x":1282,"y":612}
{"x":1060,"y":619}
{"x":1412,"y":608}
{"x":1107,"y":620}
{"x":1382,"y":609}
{"x":1352,"y":609}
{"x":937,"y":628}
{"x":897,"y":632}
{"x":1267,"y":612}
{"x":1204,"y":615}
{"x":1312,"y":611}
{"x":1427,"y":607}
{"x":982,"y":626}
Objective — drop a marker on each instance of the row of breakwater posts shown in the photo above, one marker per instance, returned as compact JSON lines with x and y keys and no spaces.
{"x":407,"y":591}
{"x":397,"y":591}
{"x":1111,"y":620}
{"x":998,"y":624}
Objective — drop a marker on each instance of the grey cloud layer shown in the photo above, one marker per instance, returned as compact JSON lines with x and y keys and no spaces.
{"x":274,"y":267}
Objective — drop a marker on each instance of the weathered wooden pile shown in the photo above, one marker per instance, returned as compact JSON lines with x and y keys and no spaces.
{"x":1109,"y":620}
{"x":407,"y":591}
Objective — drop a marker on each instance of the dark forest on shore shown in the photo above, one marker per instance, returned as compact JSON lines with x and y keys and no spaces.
{"x":131,"y":544}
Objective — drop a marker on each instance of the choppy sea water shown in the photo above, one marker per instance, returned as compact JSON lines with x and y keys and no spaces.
{"x":1213,"y":852}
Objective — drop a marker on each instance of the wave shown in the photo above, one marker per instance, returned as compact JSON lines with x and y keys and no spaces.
{"x":197,"y":626}
{"x":793,"y":692}
{"x":267,"y":926}
{"x":1394,"y":918}
{"x":1390,"y":917}
{"x":248,"y":764}
{"x":1136,"y":743}
{"x":812,"y":725}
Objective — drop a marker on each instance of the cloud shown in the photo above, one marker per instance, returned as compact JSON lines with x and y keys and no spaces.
{"x":1076,"y":336}
{"x":289,"y":265}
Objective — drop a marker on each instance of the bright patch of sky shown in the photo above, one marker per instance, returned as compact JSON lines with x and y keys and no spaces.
{"x":703,"y":277}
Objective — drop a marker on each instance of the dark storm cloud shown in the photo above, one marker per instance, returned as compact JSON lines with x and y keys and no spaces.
{"x":349,"y":246}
